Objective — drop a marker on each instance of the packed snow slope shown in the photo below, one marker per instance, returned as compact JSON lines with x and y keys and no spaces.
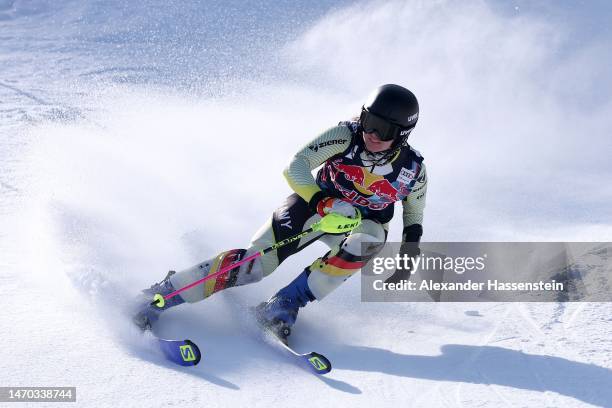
{"x":138,"y":137}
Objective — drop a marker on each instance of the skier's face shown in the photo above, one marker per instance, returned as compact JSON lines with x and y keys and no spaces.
{"x":374,"y":144}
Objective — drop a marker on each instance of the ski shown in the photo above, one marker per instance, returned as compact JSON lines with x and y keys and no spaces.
{"x":181,"y":352}
{"x":314,"y":362}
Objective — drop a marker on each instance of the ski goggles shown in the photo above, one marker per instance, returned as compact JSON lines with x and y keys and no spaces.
{"x":385,"y":130}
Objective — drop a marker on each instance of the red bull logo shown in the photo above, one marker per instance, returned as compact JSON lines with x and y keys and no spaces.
{"x":366,"y":182}
{"x":352,"y":173}
{"x":383,"y":188}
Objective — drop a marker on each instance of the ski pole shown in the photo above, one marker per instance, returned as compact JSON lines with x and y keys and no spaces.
{"x":331,"y":223}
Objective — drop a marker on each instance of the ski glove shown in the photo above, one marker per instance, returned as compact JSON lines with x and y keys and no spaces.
{"x":409,"y":248}
{"x":331,"y":205}
{"x":323,"y":205}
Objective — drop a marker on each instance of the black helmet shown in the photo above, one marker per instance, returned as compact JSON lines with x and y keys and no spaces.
{"x":391,"y":111}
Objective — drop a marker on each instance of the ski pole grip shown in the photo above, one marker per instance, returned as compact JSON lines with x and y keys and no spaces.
{"x":158,"y":300}
{"x":334,"y":223}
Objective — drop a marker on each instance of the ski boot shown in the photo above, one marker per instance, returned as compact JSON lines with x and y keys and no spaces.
{"x":146,"y":313}
{"x":280,"y":312}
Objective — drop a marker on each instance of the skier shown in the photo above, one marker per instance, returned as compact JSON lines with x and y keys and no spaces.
{"x":367,"y":165}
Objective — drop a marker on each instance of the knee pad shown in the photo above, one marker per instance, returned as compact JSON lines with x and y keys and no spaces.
{"x":341,"y":263}
{"x":366,"y":240}
{"x":244,"y":274}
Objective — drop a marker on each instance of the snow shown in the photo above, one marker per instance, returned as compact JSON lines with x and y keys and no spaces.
{"x":135,"y":139}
